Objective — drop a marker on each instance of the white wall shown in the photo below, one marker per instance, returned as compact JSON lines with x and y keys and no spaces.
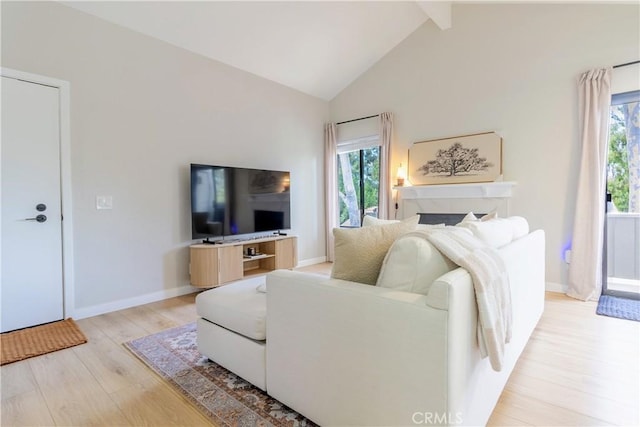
{"x":141,"y":111}
{"x":510,"y":68}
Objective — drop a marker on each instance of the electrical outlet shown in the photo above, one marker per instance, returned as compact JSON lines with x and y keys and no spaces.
{"x":104,"y":202}
{"x":567,"y":256}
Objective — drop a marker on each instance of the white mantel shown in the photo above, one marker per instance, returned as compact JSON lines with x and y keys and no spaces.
{"x":455,"y":198}
{"x":458,"y":191}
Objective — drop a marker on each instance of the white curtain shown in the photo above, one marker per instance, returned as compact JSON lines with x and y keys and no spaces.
{"x":386,"y":133}
{"x":585,"y":269}
{"x":330,"y":185}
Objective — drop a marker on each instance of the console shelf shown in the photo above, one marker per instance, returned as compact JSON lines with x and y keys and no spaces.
{"x":254,"y":257}
{"x":215,"y":265}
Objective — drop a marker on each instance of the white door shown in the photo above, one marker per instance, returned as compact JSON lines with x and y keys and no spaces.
{"x":31,"y":272}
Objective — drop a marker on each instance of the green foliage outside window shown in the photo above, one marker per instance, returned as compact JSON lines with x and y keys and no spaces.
{"x":618,"y":164}
{"x":350,"y":188}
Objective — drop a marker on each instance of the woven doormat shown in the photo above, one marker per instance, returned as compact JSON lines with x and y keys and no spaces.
{"x":31,"y":342}
{"x":622,"y":308}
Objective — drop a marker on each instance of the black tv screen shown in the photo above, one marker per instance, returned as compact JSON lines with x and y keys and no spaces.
{"x":227,"y":201}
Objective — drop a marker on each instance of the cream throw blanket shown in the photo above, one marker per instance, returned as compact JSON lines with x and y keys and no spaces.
{"x":490,"y":282}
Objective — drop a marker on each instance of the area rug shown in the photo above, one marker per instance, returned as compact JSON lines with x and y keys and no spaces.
{"x":31,"y":342}
{"x":222,"y":396}
{"x":622,"y":308}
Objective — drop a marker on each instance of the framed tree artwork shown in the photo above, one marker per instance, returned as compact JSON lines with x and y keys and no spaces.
{"x":455,"y":160}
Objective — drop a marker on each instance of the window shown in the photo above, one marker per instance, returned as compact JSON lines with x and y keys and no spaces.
{"x":358,"y":180}
{"x":623,"y":181}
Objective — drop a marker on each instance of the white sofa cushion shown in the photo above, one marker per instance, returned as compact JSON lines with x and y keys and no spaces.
{"x":412,"y":264}
{"x":239,"y":307}
{"x":359,"y":252}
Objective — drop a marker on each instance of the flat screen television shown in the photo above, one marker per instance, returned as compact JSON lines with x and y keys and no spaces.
{"x":228,"y":201}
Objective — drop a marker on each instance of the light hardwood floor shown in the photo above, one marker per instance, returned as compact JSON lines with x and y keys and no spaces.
{"x":578,"y":369}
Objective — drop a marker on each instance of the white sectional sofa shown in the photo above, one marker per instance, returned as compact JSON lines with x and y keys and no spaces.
{"x":346,"y":353}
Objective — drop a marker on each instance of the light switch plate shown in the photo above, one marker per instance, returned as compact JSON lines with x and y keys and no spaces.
{"x":104,"y":202}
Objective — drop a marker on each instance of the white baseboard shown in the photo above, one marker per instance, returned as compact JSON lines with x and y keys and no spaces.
{"x":312,"y":261}
{"x":95,"y":310}
{"x":556,"y":287}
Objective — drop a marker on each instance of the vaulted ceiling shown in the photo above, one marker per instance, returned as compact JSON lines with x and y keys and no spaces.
{"x":316,"y":47}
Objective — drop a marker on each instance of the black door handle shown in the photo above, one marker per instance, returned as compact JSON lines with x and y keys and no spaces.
{"x":39,"y":218}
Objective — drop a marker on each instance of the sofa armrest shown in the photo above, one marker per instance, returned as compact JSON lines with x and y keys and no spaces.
{"x":323,"y":333}
{"x":473,"y":387}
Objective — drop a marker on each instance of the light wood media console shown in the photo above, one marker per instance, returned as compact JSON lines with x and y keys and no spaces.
{"x":215,"y":265}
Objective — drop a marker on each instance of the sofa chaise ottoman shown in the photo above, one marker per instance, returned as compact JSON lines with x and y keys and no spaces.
{"x":232,"y":328}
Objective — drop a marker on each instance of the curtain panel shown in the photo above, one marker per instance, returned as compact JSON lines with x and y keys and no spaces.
{"x":330,"y":186}
{"x":386,"y":134}
{"x":585,"y":269}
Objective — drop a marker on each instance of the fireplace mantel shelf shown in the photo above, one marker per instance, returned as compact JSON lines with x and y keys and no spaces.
{"x":500,"y":190}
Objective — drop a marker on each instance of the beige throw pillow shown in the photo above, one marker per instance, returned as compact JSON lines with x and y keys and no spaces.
{"x":368,"y":221}
{"x":359,"y":252}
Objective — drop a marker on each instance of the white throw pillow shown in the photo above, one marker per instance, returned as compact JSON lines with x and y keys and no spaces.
{"x":519,"y":226}
{"x":412,"y":264}
{"x":359,"y":252}
{"x":498,"y":232}
{"x":471,"y":217}
{"x":489,"y":216}
{"x":495,"y":233}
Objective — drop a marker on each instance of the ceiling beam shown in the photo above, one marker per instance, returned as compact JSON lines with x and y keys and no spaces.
{"x":438,"y":11}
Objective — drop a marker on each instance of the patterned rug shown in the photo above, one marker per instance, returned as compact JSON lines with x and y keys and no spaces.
{"x":622,"y":308}
{"x":225,"y":398}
